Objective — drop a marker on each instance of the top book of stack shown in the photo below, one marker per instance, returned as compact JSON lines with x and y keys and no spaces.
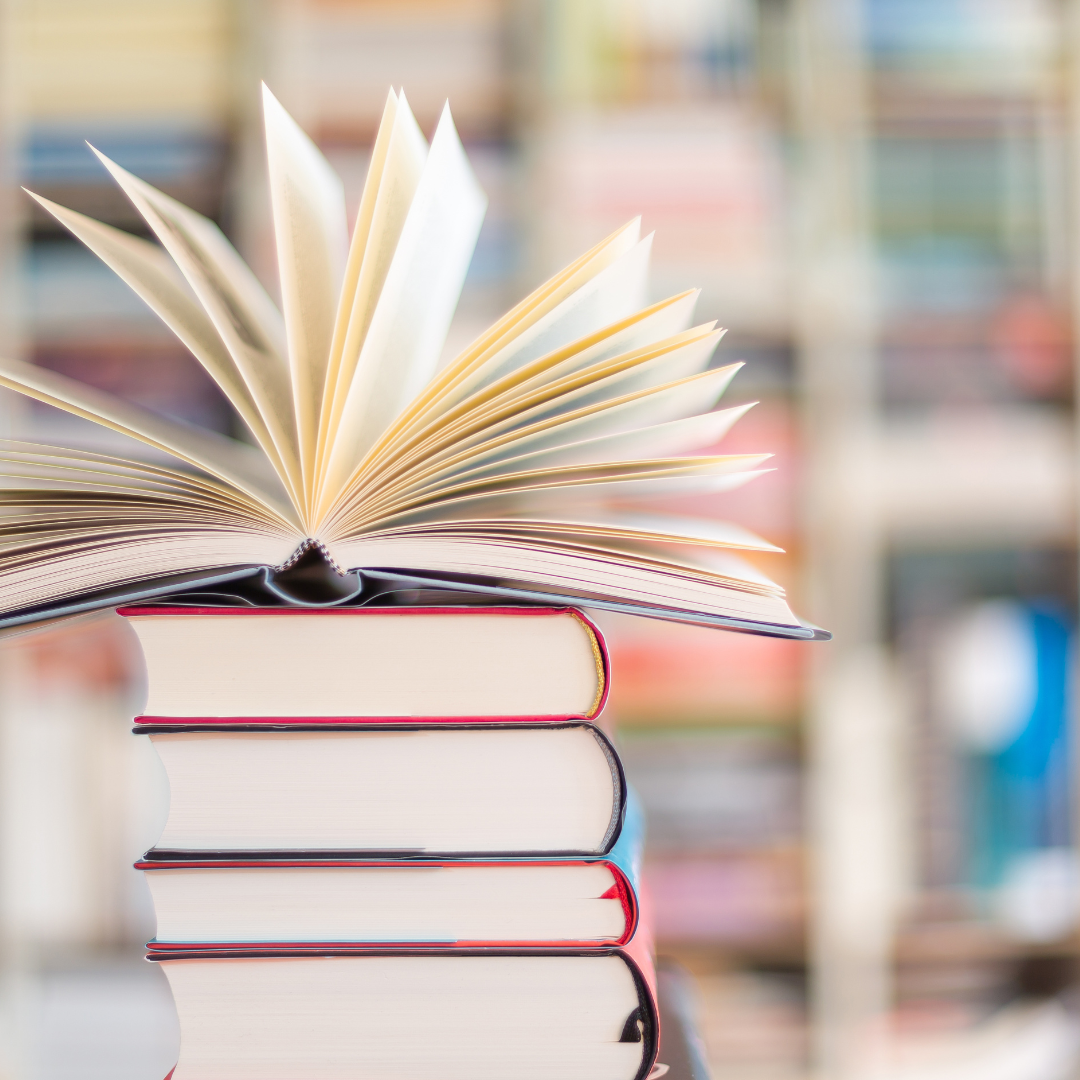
{"x":521,"y":469}
{"x":324,"y":666}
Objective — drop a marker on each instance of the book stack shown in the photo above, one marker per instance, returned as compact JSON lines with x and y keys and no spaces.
{"x":396,"y":845}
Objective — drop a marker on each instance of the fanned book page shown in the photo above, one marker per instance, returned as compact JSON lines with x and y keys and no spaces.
{"x":524,"y":468}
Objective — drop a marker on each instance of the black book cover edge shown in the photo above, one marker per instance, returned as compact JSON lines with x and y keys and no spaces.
{"x":179,"y":855}
{"x":310,"y":582}
{"x":646,"y":1012}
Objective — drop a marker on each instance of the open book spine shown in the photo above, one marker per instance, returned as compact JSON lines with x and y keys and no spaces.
{"x":235,"y":585}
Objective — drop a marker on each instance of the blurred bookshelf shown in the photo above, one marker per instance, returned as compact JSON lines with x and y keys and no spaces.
{"x":945,"y":557}
{"x":877,"y":200}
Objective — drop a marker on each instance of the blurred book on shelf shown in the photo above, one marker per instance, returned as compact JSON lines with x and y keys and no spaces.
{"x":152,"y":84}
{"x":961,"y":46}
{"x":125,"y":59}
{"x":1002,"y":685}
{"x":435,"y":49}
{"x":754,"y":1023}
{"x":708,"y":179}
{"x":79,"y":797}
{"x":976,"y":478}
{"x":680,"y":676}
{"x":638,"y":50}
{"x":187,"y":158}
{"x":716,"y":789}
{"x":749,"y":903}
{"x":85,"y":323}
{"x":988,"y":642}
{"x":972,"y":298}
{"x":966,"y":163}
{"x":724,"y":864}
{"x":974,"y":488}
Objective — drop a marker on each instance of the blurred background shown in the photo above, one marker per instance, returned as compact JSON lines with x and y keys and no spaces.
{"x":864,"y":852}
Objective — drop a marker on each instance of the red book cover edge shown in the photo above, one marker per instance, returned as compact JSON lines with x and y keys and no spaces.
{"x":601,"y":650}
{"x":622,"y":890}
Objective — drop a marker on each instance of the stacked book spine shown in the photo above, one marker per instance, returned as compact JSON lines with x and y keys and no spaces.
{"x":397,"y":846}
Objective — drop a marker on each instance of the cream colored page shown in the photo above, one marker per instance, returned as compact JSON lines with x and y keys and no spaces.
{"x":252,"y":308}
{"x":245,"y":317}
{"x":643,"y":408}
{"x":674,"y":545}
{"x":229,"y":462}
{"x":702,"y":531}
{"x":416,"y":304}
{"x":623,"y":556}
{"x":618,"y":480}
{"x":643,"y":527}
{"x":731,"y":565}
{"x":615,"y":294}
{"x":520,"y":406}
{"x":522,"y":318}
{"x":353,"y":266}
{"x":691,"y":359}
{"x":523,"y":486}
{"x":616,"y":575}
{"x":18,"y":468}
{"x":658,"y":440}
{"x":491,"y":415}
{"x":651,"y":326}
{"x":644,"y":328}
{"x":663,"y":361}
{"x":592,"y":474}
{"x":93,"y":564}
{"x":630,"y":412}
{"x":441,"y":471}
{"x":307,"y":199}
{"x":60,"y":458}
{"x":61,"y":466}
{"x":435,"y":397}
{"x":390,"y":189}
{"x":91,"y":494}
{"x":361,"y":232}
{"x":154,"y":277}
{"x":648,"y":326}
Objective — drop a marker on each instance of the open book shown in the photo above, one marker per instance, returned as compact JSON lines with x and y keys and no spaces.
{"x":523,"y":468}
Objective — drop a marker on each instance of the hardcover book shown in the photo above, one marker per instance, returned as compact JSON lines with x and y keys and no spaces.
{"x":525,"y":467}
{"x":435,"y":790}
{"x":463,"y":1015}
{"x":325,"y":666}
